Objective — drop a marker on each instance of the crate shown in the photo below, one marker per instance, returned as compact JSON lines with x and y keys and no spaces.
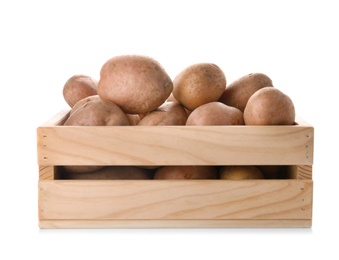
{"x":174,"y":203}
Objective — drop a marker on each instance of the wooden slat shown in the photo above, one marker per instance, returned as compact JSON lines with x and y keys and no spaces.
{"x":304,"y":172}
{"x":175,"y":145}
{"x":46,"y":173}
{"x":175,"y":200}
{"x":215,"y":223}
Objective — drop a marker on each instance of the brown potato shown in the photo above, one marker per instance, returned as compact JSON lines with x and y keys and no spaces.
{"x":172,"y":98}
{"x":78,"y":87}
{"x":169,"y":113}
{"x":97,"y":112}
{"x":137,"y":84}
{"x":270,"y":171}
{"x":83,"y":101}
{"x":238,"y":92}
{"x":134,"y":119}
{"x":111,"y":173}
{"x":199,"y":84}
{"x":215,"y":113}
{"x":186,"y":172}
{"x":240,"y":172}
{"x":269,"y":106}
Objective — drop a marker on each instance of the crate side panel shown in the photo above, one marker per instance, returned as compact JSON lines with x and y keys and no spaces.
{"x":207,"y":199}
{"x":176,"y":145}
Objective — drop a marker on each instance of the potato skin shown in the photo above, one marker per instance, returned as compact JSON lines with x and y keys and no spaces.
{"x":134,"y":119}
{"x":238,"y":92}
{"x":269,"y":106}
{"x":199,"y":84}
{"x":215,"y":113}
{"x":185,"y":172}
{"x":111,"y":173}
{"x":83,"y":101}
{"x":137,"y":84}
{"x":271,"y":171}
{"x":96,"y":112}
{"x":78,"y":87}
{"x":241,"y":172}
{"x":169,"y":113}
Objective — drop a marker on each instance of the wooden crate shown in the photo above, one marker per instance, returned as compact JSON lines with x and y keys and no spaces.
{"x":175,"y":203}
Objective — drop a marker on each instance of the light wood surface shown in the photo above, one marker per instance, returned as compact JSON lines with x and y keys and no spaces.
{"x":180,"y":199}
{"x":174,"y":203}
{"x":206,"y":223}
{"x":175,"y":145}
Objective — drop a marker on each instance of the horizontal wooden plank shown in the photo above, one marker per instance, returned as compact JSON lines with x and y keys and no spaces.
{"x":175,"y":145}
{"x":175,"y":200}
{"x":215,"y":223}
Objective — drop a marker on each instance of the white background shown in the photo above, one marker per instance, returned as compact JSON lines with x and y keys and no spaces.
{"x":43,"y":43}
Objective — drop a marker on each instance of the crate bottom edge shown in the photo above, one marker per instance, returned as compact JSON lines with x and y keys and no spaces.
{"x":234,"y":223}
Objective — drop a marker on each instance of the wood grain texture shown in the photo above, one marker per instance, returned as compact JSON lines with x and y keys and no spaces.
{"x":300,"y":172}
{"x":175,"y":203}
{"x":175,"y":145}
{"x":214,"y":223}
{"x":175,"y":200}
{"x":46,"y":173}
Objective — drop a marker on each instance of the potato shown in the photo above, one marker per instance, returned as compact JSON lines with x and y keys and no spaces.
{"x":111,"y":173}
{"x":240,"y":172}
{"x":185,"y":172}
{"x":270,"y":171}
{"x":137,"y":84}
{"x":172,"y":98}
{"x":199,"y":84}
{"x":169,"y":113}
{"x":96,"y":112}
{"x":83,"y":101}
{"x":215,"y":113}
{"x":133,"y":119}
{"x":269,"y":106}
{"x":238,"y":92}
{"x":78,"y":87}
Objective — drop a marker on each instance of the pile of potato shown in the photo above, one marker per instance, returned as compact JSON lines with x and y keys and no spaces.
{"x":136,"y":90}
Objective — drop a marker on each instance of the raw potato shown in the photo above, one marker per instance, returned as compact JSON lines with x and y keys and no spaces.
{"x":137,"y":84}
{"x":111,"y":173}
{"x":269,"y":106}
{"x":78,"y":87}
{"x":199,"y":84}
{"x":238,"y":92}
{"x":133,"y":119}
{"x":171,"y":98}
{"x":186,"y":172}
{"x":83,"y":101}
{"x":271,"y":171}
{"x":240,"y":173}
{"x":169,"y":113}
{"x":96,"y":112}
{"x":215,"y":113}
